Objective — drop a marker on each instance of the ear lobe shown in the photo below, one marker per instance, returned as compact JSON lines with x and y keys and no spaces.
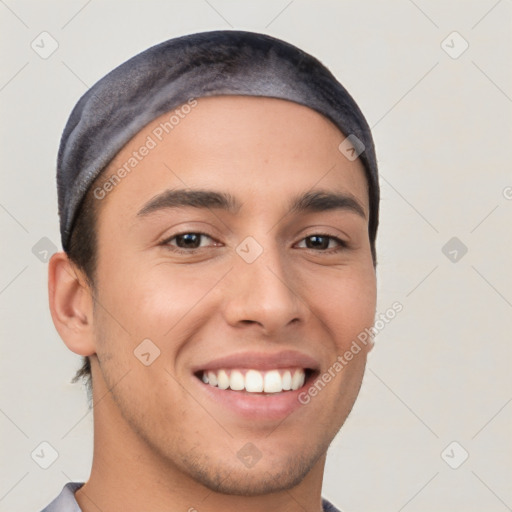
{"x":71,"y":305}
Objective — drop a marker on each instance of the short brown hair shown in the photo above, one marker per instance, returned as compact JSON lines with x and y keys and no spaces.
{"x":82,"y":251}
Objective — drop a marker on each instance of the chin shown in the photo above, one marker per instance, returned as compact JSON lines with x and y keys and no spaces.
{"x":265,"y":477}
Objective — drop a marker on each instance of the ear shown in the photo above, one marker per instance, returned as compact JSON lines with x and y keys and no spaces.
{"x":71,"y":305}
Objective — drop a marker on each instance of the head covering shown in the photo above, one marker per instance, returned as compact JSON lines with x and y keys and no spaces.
{"x":168,"y":75}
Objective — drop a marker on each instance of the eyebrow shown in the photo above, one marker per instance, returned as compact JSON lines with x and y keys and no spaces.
{"x":312,"y":201}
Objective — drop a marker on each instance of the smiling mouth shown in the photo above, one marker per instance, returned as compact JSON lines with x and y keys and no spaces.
{"x":255,"y":381}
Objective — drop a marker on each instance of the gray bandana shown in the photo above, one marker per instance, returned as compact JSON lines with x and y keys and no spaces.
{"x":168,"y":75}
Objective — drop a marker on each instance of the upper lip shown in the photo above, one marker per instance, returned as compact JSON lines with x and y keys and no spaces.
{"x":260,"y":361}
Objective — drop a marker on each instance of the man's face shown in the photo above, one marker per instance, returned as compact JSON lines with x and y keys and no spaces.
{"x":248,"y":291}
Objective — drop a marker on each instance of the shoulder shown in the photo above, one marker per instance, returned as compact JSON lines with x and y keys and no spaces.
{"x":65,"y":501}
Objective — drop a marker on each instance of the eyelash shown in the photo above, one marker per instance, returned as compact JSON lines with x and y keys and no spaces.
{"x":166,"y":243}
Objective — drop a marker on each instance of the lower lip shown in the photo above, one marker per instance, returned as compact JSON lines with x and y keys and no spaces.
{"x":256,"y":406}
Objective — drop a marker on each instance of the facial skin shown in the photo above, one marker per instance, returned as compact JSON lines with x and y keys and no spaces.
{"x":160,"y":439}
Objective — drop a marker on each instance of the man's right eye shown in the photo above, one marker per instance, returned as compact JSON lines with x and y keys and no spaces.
{"x":187,"y":241}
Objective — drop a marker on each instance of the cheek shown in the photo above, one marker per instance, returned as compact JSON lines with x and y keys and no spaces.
{"x":155,"y":301}
{"x":345,"y":300}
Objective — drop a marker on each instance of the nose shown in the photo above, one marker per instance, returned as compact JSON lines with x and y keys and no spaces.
{"x":262,"y":293}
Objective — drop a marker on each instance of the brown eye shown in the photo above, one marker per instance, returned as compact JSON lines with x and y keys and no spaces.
{"x":187,"y":242}
{"x":317,"y":242}
{"x":322,"y":242}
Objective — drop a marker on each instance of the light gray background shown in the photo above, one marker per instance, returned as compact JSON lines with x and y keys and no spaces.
{"x":440,"y":371}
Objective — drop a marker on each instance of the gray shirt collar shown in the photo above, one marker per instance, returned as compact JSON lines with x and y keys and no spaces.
{"x":66,"y":502}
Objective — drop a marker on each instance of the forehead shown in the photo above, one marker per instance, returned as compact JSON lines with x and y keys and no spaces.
{"x":235,"y":143}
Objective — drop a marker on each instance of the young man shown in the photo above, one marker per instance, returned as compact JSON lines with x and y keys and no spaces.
{"x":218,"y":199}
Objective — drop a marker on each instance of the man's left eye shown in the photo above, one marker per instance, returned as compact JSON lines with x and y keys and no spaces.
{"x":323,"y":242}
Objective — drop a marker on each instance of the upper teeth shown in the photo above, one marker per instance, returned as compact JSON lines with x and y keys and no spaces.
{"x":254,"y":381}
